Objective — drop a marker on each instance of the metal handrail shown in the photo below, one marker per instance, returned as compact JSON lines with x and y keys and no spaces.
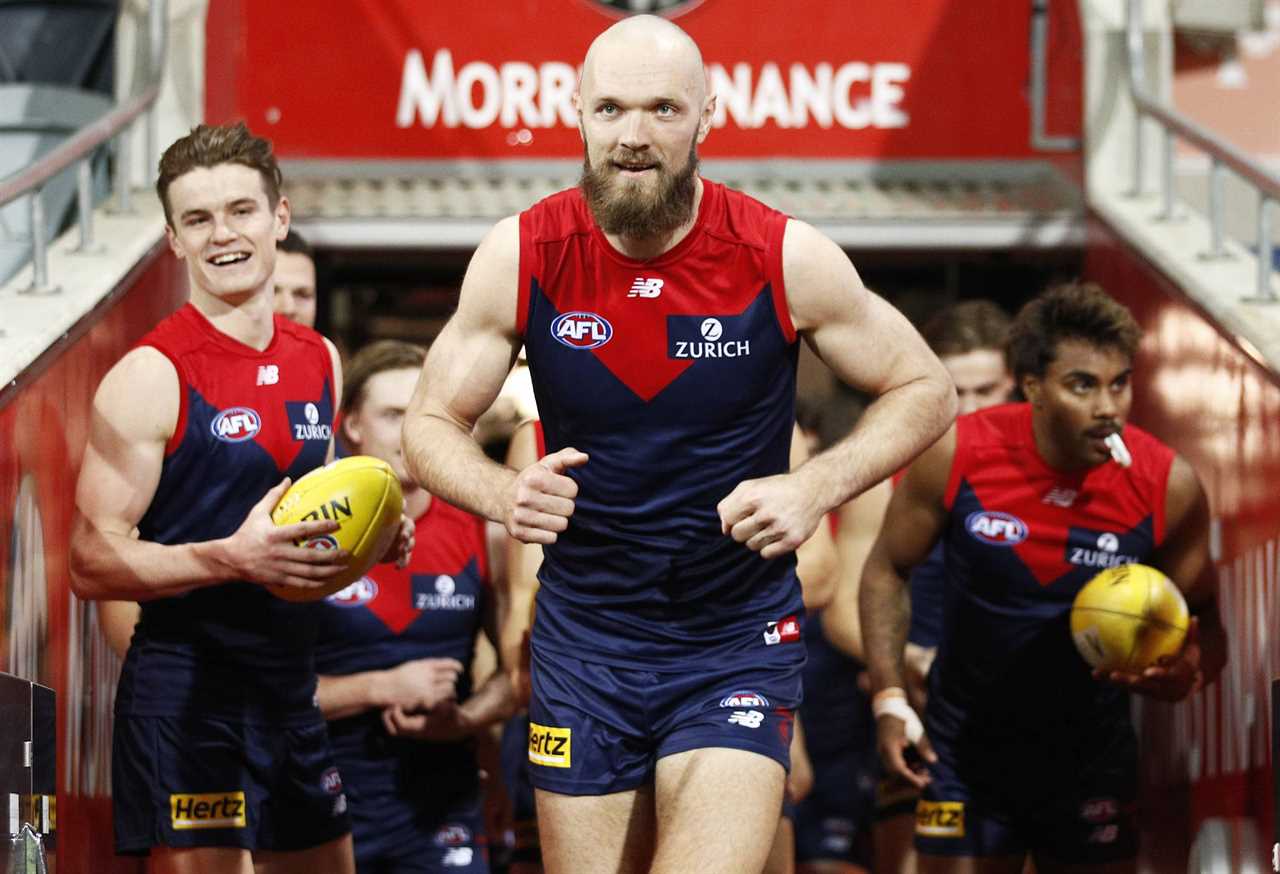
{"x":80,"y":148}
{"x":1222,"y":154}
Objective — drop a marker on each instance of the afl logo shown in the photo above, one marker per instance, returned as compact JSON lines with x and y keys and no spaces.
{"x":582,"y":330}
{"x":996,"y":529}
{"x":665,"y":8}
{"x":744,"y":698}
{"x":321,"y":541}
{"x":359,"y":593}
{"x":236,"y":424}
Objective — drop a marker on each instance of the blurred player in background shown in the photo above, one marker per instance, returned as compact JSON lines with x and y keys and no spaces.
{"x":669,"y":415}
{"x":1026,"y":752}
{"x":395,"y":655}
{"x":295,"y":280}
{"x":969,"y":339}
{"x":192,"y":444}
{"x":815,"y":567}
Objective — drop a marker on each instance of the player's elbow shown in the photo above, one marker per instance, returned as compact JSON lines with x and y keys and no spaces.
{"x":85,"y":562}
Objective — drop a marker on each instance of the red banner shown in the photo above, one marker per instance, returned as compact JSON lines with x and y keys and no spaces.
{"x":369,"y":79}
{"x":47,"y":634}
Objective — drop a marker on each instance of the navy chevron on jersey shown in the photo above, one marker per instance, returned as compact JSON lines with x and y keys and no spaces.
{"x":676,"y":376}
{"x":1021,"y":540}
{"x":431,"y":609}
{"x":246,"y":419}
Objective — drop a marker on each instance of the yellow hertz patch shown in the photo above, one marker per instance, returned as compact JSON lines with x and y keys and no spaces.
{"x":550,"y":746}
{"x":940,"y":819}
{"x":211,"y":810}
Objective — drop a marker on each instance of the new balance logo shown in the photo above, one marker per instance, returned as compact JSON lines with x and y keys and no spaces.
{"x":645,"y":287}
{"x":1060,"y":496}
{"x":268,"y":374}
{"x":746,"y":718}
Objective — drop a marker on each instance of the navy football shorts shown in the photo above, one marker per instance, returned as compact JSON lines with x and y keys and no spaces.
{"x":596,"y":729}
{"x":833,"y":822}
{"x":1000,"y":804}
{"x":455,"y":843}
{"x":190,"y":782}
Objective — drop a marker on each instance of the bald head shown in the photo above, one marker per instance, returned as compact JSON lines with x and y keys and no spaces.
{"x":649,"y":49}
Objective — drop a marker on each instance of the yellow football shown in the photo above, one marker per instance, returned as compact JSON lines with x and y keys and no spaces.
{"x":1127,"y":617}
{"x":362,"y":494}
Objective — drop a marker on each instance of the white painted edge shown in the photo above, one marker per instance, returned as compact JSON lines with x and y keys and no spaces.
{"x":31,"y":323}
{"x":1178,"y":249}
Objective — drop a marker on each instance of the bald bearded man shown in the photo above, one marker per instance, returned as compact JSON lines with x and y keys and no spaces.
{"x":661,"y":314}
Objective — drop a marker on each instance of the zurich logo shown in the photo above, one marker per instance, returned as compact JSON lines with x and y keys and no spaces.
{"x":995,"y":528}
{"x":711,"y":329}
{"x":582,"y":330}
{"x":236,"y":424}
{"x":359,"y":593}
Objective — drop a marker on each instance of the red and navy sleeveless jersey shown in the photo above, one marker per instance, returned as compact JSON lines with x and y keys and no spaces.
{"x":246,"y":420}
{"x":676,"y":376}
{"x":431,"y":609}
{"x":1021,"y":540}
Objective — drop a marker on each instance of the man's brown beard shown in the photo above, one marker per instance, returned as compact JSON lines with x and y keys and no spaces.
{"x":627,"y":210}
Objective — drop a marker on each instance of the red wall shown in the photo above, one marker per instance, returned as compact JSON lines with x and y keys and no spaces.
{"x":46,"y":634}
{"x":328,"y":83}
{"x":1203,"y":394}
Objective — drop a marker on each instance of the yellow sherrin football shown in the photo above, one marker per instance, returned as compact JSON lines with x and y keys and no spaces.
{"x":360,"y":493}
{"x":1127,"y":617}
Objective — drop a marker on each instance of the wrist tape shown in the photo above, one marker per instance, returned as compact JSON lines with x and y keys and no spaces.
{"x":895,"y":704}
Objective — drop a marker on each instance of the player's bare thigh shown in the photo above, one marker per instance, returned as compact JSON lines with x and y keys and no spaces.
{"x":335,"y":856}
{"x":717,"y":811}
{"x":199,"y":860}
{"x":894,"y":844}
{"x":596,"y":834}
{"x":782,"y":855}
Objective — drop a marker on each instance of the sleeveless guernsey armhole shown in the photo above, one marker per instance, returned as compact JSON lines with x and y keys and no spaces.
{"x":1161,"y":485}
{"x":539,"y":437}
{"x":184,"y":403}
{"x":524,"y":273}
{"x":773,"y":254}
{"x":482,"y":554}
{"x":957,"y":465}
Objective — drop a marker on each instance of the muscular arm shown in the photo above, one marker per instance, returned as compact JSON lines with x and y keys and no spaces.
{"x":869,"y":345}
{"x":912,"y":523}
{"x":462,"y":375}
{"x":860,"y":521}
{"x":816,"y":557}
{"x":1184,"y":558}
{"x":134,"y":414}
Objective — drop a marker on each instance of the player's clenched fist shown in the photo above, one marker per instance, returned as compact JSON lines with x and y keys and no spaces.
{"x":772,"y":516}
{"x":541,"y":498}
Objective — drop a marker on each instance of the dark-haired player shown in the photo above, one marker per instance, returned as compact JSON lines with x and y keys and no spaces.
{"x":395,"y":654}
{"x":295,"y":280}
{"x":661,"y":315}
{"x":221,"y":760}
{"x":1029,"y":753}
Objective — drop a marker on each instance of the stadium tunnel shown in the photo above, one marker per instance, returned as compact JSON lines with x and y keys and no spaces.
{"x":953,"y":155}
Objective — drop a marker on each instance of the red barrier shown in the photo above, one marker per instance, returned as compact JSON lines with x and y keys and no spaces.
{"x":796,"y":78}
{"x":46,"y":634}
{"x":1203,"y":394}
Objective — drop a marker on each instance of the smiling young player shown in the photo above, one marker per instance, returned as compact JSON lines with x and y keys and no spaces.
{"x":220,"y":759}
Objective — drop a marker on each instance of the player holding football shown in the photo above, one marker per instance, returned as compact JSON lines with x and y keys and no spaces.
{"x":220,"y":759}
{"x":1027,"y":751}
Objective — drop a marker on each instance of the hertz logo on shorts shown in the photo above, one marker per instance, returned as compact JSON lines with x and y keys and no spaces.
{"x":211,"y":810}
{"x":940,"y":819}
{"x":549,"y":746}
